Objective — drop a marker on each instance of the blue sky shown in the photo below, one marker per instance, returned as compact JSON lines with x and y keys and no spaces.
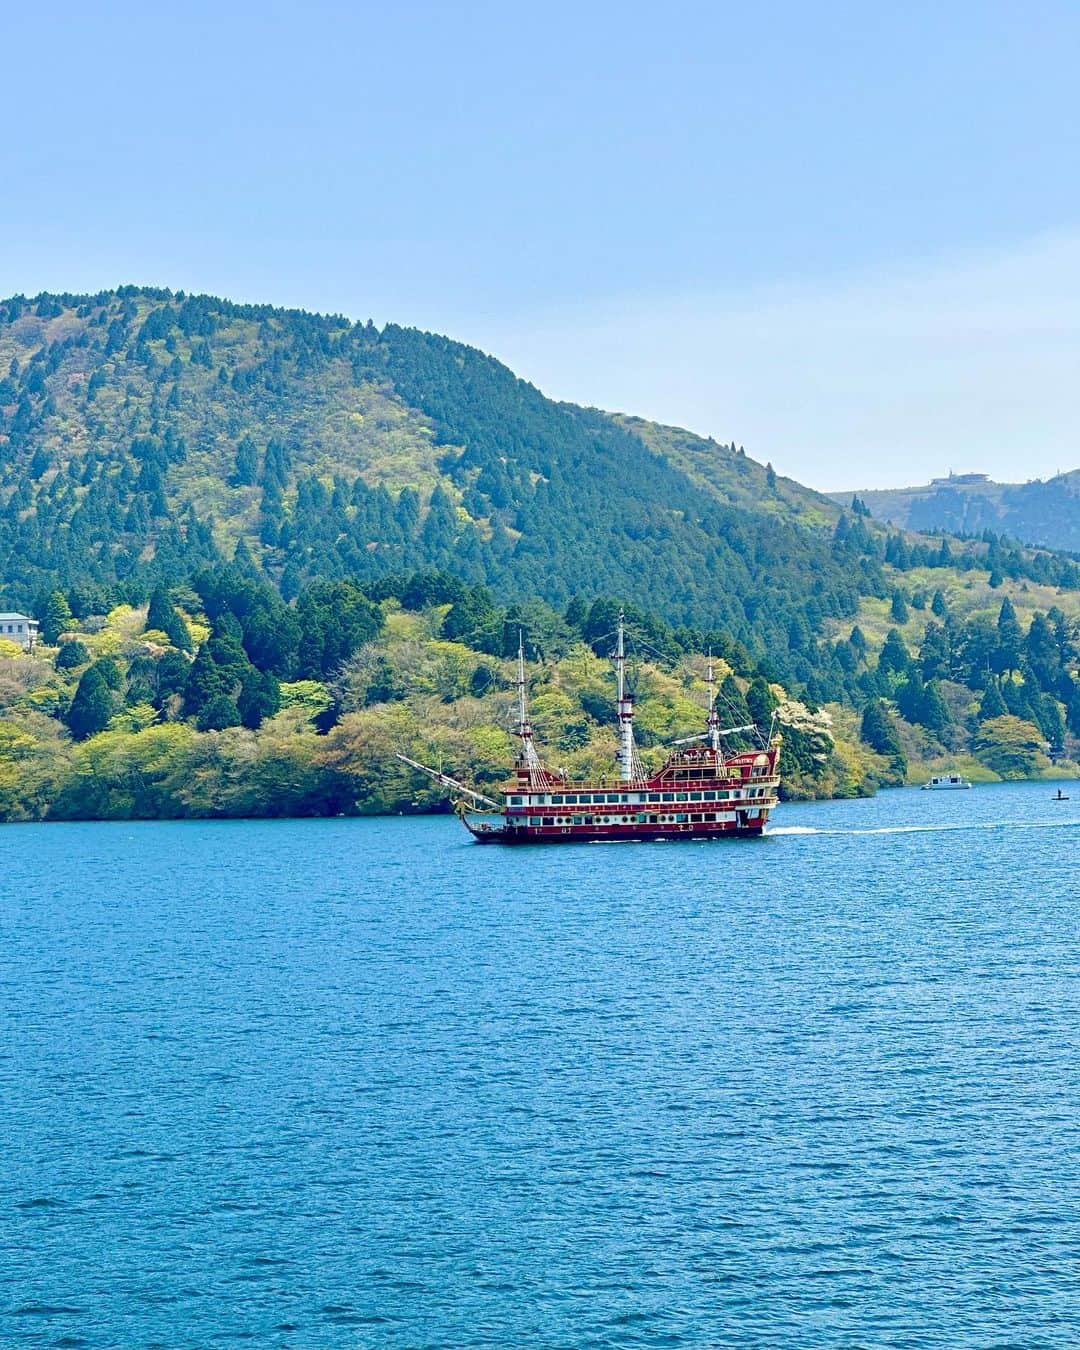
{"x":846,"y":236}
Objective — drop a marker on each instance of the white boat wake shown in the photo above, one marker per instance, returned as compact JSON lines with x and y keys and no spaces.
{"x":928,"y":829}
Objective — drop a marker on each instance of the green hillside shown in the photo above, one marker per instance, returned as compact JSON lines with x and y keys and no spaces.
{"x":225,"y":515}
{"x":1038,"y":513}
{"x":144,"y":434}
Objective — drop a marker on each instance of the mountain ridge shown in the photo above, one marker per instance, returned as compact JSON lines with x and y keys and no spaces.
{"x":147,"y":434}
{"x":268,"y":549}
{"x":1041,"y":512}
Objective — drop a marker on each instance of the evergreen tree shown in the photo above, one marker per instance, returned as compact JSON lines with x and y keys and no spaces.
{"x":760,"y":702}
{"x":878,"y":730}
{"x":92,"y":705}
{"x":203,"y":683}
{"x":259,"y":698}
{"x":56,"y":619}
{"x":894,"y":658}
{"x":1007,"y":656}
{"x":163,"y":618}
{"x":898,"y":610}
{"x":72,"y":653}
{"x":1073,"y":711}
{"x":992,"y":705}
{"x":934,"y":655}
{"x":219,"y":713}
{"x":934,"y":713}
{"x":246,"y":470}
{"x":1042,"y":654}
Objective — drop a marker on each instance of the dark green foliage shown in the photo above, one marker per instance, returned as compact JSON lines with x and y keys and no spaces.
{"x":204,"y":682}
{"x":935,"y":654}
{"x":246,"y":470}
{"x":259,"y":697}
{"x":732,"y":705}
{"x":923,"y":704}
{"x":895,"y":658}
{"x":335,"y":619}
{"x":92,"y":706}
{"x":162,"y":617}
{"x":110,"y":672}
{"x":474,"y":619}
{"x":221,"y":712}
{"x":72,"y":654}
{"x":56,"y":618}
{"x":170,"y":677}
{"x":879,"y":732}
{"x":992,"y":705}
{"x":760,"y":702}
{"x":898,"y":610}
{"x":1007,"y":653}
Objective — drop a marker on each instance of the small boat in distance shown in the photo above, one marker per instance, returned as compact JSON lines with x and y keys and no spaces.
{"x":1060,"y":797}
{"x":702,"y":791}
{"x":943,"y":782}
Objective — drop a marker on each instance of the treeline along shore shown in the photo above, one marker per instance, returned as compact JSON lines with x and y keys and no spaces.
{"x":217,"y":698}
{"x":267,"y":549}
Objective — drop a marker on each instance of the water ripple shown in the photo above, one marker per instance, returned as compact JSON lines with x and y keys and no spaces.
{"x":359,"y":1083}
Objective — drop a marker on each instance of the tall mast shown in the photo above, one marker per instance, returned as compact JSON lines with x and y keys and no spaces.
{"x":524,"y":729}
{"x":625,"y":707}
{"x":712,"y":723}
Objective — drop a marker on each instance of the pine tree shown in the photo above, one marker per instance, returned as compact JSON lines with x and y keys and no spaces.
{"x":203,"y":684}
{"x":163,"y":618}
{"x":898,"y":610}
{"x":934,"y":713}
{"x":246,"y":470}
{"x":894,"y":656}
{"x":1009,"y":639}
{"x":219,"y":713}
{"x":56,"y":619}
{"x":879,"y":732}
{"x":91,"y":707}
{"x":992,"y":705}
{"x":760,"y":701}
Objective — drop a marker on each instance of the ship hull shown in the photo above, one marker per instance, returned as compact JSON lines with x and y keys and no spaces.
{"x":614,"y":834}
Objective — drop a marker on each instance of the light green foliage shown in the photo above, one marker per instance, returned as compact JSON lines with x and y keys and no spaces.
{"x":1011,"y":747}
{"x":311,"y":696}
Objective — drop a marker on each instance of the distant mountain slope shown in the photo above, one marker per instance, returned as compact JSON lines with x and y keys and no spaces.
{"x":146,"y":435}
{"x":732,"y":476}
{"x":1039,"y":513}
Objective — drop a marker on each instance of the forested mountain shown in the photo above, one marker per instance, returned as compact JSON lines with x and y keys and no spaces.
{"x":1039,"y":513}
{"x":145,"y":434}
{"x":245,"y":530}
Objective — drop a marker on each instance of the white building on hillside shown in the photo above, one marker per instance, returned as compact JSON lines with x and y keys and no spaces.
{"x":19,"y":628}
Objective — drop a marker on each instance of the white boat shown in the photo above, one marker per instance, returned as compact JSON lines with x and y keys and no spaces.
{"x":944,"y":782}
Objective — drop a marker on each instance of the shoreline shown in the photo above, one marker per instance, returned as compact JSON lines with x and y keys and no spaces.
{"x":1059,"y":777}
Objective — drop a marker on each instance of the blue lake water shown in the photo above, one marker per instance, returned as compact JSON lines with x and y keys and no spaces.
{"x":364,"y":1084}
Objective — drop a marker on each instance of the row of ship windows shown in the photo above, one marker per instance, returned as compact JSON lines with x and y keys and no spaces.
{"x":601,"y":798}
{"x":641,"y":818}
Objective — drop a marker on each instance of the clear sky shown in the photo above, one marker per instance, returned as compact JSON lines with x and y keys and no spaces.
{"x":846,"y":236}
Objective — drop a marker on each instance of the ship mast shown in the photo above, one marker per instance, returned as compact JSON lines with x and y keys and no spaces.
{"x":529,"y":758}
{"x":625,"y":708}
{"x":712,"y":722}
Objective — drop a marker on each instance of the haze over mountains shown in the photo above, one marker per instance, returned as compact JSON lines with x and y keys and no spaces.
{"x":1045,"y":513}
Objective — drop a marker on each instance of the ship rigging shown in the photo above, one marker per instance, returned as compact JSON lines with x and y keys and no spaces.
{"x":702,"y":791}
